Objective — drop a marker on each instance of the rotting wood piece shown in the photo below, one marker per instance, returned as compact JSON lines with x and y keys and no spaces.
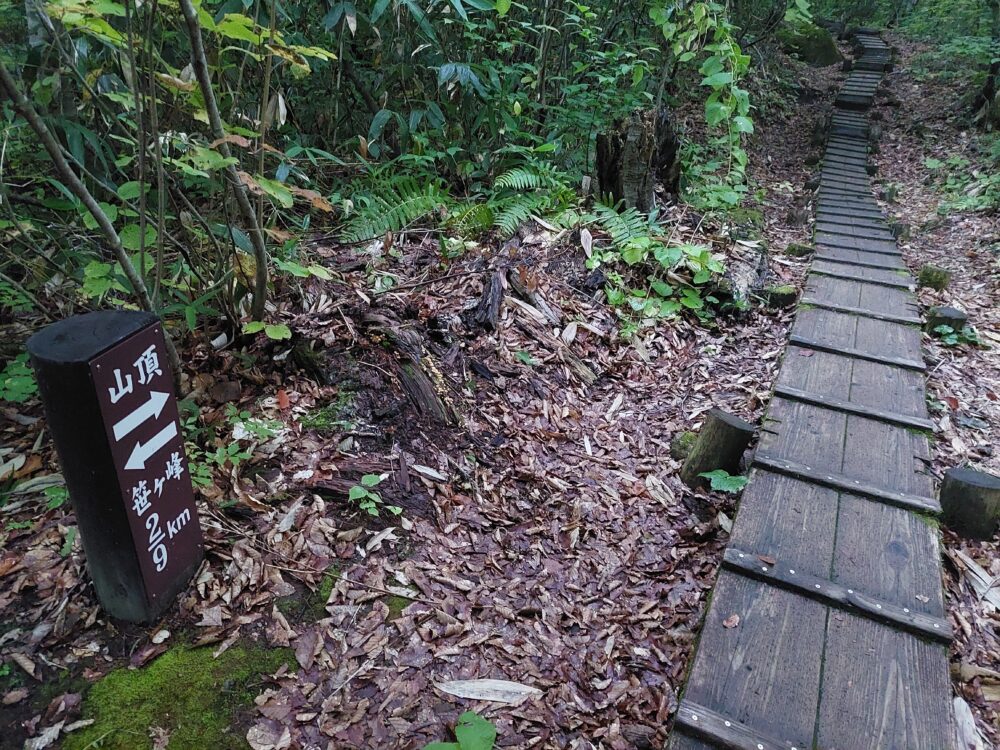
{"x":970,"y":502}
{"x":783,"y":573}
{"x":720,"y":445}
{"x":425,"y":390}
{"x":635,"y":153}
{"x":487,"y":312}
{"x":521,"y":282}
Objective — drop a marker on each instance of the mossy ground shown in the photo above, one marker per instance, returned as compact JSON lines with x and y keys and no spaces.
{"x":332,"y":416}
{"x":312,"y":606}
{"x":810,"y":43}
{"x":185,"y":691}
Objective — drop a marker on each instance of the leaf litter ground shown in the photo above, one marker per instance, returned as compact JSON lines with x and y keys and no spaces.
{"x":545,"y":538}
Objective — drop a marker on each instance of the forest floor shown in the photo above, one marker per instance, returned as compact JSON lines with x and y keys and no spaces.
{"x":544,"y":537}
{"x":932,"y":123}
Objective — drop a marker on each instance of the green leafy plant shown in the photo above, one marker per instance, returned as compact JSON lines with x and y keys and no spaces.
{"x":274,"y":331}
{"x":950,"y":337}
{"x":472,"y":732}
{"x":367,"y":499}
{"x":17,"y":381}
{"x":722,"y":481}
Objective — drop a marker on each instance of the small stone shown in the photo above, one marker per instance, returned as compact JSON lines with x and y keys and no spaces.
{"x":900,"y":230}
{"x":798,"y":250}
{"x":945,"y":316}
{"x":934,"y":277}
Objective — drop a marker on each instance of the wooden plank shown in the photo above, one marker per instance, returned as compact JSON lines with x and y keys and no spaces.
{"x":857,"y":258}
{"x":887,"y":456}
{"x":859,"y":381}
{"x":807,"y":343}
{"x":863,"y":312}
{"x":882,"y":689}
{"x":848,"y":407}
{"x":723,"y":732}
{"x":857,"y":243}
{"x":847,"y":484}
{"x":885,"y":386}
{"x":849,"y":219}
{"x":741,"y":672}
{"x":785,"y":572}
{"x":785,"y":517}
{"x":859,"y":298}
{"x":900,"y":547}
{"x":865,"y":275}
{"x":881,"y":234}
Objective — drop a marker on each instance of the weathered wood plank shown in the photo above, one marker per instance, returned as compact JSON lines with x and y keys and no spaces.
{"x":888,"y":456}
{"x":806,"y":343}
{"x":864,"y":274}
{"x":847,"y":484}
{"x":878,"y":385}
{"x":786,"y":572}
{"x":860,"y":298}
{"x":882,"y":689}
{"x":858,"y":258}
{"x":741,"y":672}
{"x":863,"y":311}
{"x":723,"y":732}
{"x":850,"y":407}
{"x":889,"y":553}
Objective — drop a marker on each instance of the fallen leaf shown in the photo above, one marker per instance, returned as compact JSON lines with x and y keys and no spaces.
{"x":282,"y":397}
{"x":731,"y":622}
{"x":15,"y":696}
{"x":951,"y":401}
{"x":497,"y":691}
{"x":767,"y":559}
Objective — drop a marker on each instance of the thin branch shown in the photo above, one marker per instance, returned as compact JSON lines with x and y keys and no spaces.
{"x":76,"y":186}
{"x":200,"y":64}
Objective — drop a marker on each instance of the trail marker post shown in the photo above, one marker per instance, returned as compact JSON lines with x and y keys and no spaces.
{"x":108,"y":395}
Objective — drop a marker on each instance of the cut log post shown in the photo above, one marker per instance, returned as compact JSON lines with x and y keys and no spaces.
{"x":970,"y":502}
{"x":720,"y":445}
{"x":945,"y":316}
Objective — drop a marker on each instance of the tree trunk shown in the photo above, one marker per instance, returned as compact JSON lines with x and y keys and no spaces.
{"x":987,"y":104}
{"x":636,"y":153}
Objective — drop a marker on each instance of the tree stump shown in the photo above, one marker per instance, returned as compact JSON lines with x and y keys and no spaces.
{"x":720,"y":445}
{"x":636,"y":153}
{"x":970,"y":502}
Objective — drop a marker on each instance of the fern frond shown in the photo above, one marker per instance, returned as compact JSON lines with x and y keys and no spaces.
{"x":527,"y":177}
{"x":511,"y":212}
{"x":471,"y":219}
{"x":623,"y":226}
{"x":399,"y":202}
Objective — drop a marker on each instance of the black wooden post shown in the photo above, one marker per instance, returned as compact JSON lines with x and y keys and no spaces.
{"x":970,"y":502}
{"x":109,"y":402}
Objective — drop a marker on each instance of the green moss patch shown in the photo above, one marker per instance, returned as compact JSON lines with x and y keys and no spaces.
{"x":332,"y":416}
{"x":809,"y":43}
{"x":185,"y":691}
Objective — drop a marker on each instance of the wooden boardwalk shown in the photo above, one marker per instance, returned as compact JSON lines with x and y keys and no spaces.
{"x":827,"y":628}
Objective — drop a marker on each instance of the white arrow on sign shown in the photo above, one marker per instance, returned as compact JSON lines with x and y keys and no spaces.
{"x":143,"y":451}
{"x":152,"y":408}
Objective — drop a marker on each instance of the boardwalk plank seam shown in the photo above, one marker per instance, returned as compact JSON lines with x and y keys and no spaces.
{"x":784,"y":573}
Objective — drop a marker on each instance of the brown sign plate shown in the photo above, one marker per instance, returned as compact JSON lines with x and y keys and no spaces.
{"x":136,"y":396}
